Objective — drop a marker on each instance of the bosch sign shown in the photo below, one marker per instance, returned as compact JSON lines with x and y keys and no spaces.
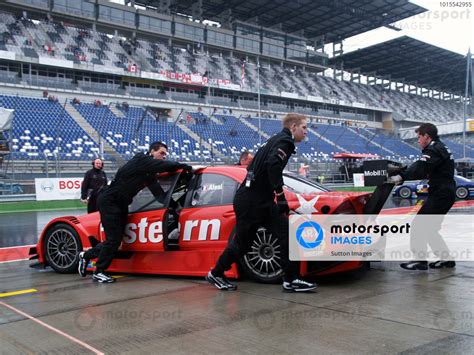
{"x":70,"y":184}
{"x":58,"y":189}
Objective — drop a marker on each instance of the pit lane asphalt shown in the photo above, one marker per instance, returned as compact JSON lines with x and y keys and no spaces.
{"x":383,"y":310}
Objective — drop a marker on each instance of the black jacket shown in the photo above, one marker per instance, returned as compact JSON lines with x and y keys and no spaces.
{"x":93,"y":181}
{"x":138,"y":172}
{"x":268,"y":164}
{"x":436,"y":164}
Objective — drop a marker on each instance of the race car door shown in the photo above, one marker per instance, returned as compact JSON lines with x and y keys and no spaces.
{"x":208,"y":219}
{"x":147,"y":220}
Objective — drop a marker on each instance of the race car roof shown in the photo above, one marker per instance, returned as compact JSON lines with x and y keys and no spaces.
{"x":334,"y":19}
{"x":405,"y":59}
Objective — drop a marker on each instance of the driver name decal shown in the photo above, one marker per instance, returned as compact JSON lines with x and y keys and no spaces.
{"x":213,"y":187}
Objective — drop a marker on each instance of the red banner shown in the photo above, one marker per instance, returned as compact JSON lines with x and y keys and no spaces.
{"x":195,"y":79}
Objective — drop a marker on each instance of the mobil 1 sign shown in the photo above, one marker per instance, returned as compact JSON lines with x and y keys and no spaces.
{"x":375,"y":171}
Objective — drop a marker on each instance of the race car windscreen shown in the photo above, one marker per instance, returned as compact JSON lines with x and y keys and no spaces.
{"x":152,"y":197}
{"x":302,"y":185}
{"x":213,"y":190}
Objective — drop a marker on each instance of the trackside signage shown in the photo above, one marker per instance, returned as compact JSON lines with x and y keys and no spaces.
{"x":382,"y":237}
{"x":58,"y":189}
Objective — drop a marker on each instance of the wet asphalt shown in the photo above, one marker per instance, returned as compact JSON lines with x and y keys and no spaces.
{"x":382,"y":310}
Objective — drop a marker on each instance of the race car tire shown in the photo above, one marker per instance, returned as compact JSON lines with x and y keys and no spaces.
{"x":462,"y":192}
{"x":61,"y":248}
{"x":404,"y":192}
{"x":262,"y":261}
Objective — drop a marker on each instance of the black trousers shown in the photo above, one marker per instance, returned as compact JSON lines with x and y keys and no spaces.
{"x":251,"y":215}
{"x":439,"y":202}
{"x":92,"y":204}
{"x":113,"y":216}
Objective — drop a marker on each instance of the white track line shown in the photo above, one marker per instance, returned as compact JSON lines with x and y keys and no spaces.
{"x":18,"y":246}
{"x":12,"y":261}
{"x":67,"y":336}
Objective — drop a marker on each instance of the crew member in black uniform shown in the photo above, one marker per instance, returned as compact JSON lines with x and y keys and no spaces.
{"x":113,"y":203}
{"x":436,"y":164}
{"x":94,"y":180}
{"x":254,"y":206}
{"x":245,"y":158}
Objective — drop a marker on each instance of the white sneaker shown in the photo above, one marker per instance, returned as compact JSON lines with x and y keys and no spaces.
{"x":102,"y":278}
{"x":82,"y":268}
{"x":298,"y":285}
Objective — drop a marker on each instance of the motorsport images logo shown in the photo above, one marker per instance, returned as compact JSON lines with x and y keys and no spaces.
{"x":341,"y":237}
{"x":309,"y":235}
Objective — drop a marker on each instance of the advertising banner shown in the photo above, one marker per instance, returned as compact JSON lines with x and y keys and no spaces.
{"x":358,"y":180}
{"x":151,"y":75}
{"x":50,"y":189}
{"x":376,"y":171}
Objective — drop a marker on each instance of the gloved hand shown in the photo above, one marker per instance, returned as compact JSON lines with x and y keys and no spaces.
{"x":282,"y":204}
{"x":187,"y":168}
{"x":395,"y":169}
{"x":397,"y":180}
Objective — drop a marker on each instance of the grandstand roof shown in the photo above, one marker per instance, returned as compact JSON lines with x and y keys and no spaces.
{"x":405,"y":59}
{"x":334,"y":19}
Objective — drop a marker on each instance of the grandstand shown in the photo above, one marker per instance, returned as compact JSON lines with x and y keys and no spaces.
{"x":226,"y":87}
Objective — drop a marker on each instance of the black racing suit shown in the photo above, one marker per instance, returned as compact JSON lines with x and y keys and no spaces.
{"x":94,"y":180}
{"x":255,"y":205}
{"x":437,"y":164}
{"x":113,"y":202}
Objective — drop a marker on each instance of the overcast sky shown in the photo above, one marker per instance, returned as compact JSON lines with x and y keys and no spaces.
{"x":450,"y":28}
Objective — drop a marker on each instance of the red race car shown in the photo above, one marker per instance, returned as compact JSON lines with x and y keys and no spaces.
{"x":184,"y":231}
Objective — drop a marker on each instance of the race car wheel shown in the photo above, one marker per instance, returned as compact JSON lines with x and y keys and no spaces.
{"x":262,"y":261}
{"x":404,"y":192}
{"x":462,"y":192}
{"x":61,"y":248}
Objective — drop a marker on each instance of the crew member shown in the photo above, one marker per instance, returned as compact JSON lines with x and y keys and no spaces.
{"x":94,"y":180}
{"x":113,"y":203}
{"x":245,"y":158}
{"x":436,"y":164}
{"x":255,"y":206}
